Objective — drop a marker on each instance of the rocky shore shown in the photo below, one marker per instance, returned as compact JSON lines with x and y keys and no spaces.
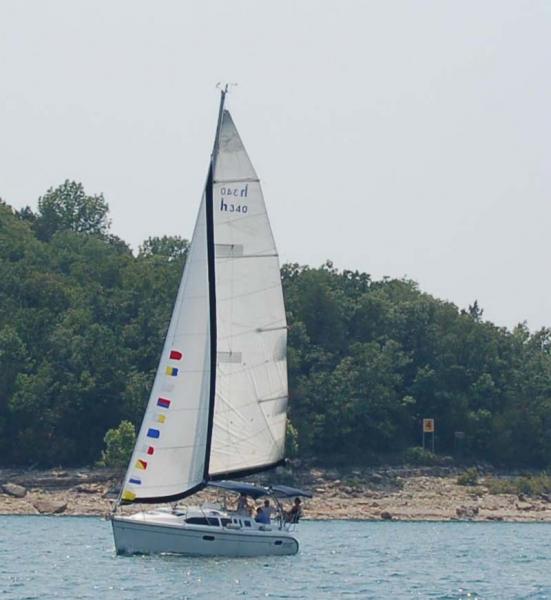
{"x":397,"y":493}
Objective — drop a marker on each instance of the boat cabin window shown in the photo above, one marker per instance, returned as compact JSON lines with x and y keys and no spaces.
{"x":225,"y":521}
{"x":203,"y":521}
{"x":247,"y":523}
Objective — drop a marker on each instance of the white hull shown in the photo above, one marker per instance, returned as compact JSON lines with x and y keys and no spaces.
{"x":138,"y":536}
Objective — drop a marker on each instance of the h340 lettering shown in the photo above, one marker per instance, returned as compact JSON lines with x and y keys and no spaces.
{"x":227,"y":203}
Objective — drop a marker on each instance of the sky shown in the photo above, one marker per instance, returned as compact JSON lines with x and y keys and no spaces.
{"x":400,"y":138}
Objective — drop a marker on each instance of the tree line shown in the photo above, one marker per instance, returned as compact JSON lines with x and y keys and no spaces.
{"x":82,"y":322}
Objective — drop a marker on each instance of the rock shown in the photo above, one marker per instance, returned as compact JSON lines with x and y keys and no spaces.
{"x":466,"y":512}
{"x":56,"y":473}
{"x":88,"y":488}
{"x":524,"y":506}
{"x":376,"y":478}
{"x":386,"y":516}
{"x":494,"y":518}
{"x":114,"y":489}
{"x":50,"y":506}
{"x":12,"y":489}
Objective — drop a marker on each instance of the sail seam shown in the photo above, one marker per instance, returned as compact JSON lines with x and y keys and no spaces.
{"x":239,"y":180}
{"x":235,"y":257}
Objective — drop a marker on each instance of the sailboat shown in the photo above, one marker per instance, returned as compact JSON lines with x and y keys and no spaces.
{"x":217,"y":408}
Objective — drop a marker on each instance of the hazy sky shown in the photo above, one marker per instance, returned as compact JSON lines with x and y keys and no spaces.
{"x":395,"y":137}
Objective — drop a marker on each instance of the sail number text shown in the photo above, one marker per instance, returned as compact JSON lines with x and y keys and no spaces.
{"x":230,"y":196}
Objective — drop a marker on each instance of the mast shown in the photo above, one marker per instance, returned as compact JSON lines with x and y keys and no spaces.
{"x":212,"y":280}
{"x":223,"y":93}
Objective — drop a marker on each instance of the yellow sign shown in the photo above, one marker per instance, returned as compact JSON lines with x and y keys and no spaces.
{"x":428,"y":425}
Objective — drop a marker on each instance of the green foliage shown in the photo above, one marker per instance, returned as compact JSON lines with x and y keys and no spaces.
{"x":291,"y":441}
{"x":82,"y":323}
{"x":420,"y":456}
{"x":119,"y":443}
{"x":68,"y":207}
{"x":529,"y":485}
{"x":169,"y":247}
{"x":468,"y":477}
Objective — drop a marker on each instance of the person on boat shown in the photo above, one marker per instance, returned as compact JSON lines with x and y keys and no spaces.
{"x":295,"y":512}
{"x":261,"y":516}
{"x":243,"y":505}
{"x":268,"y":509}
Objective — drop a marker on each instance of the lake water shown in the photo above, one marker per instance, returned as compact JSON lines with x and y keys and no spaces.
{"x":73,"y":558}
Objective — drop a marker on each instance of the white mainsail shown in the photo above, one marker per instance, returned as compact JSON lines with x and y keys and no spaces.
{"x":251,"y":372}
{"x":218,"y":402}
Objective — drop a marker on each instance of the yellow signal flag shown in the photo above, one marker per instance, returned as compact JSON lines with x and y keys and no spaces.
{"x":161,"y":418}
{"x":128,"y":495}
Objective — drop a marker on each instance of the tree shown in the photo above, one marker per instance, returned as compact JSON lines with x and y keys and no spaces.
{"x":171,"y":247}
{"x":119,"y":443}
{"x":82,"y":323}
{"x":68,"y":207}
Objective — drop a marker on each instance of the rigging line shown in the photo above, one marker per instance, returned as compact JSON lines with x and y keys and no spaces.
{"x":256,"y":434}
{"x":252,"y":293}
{"x":236,"y":439}
{"x":247,"y":216}
{"x":249,"y":367}
{"x":231,"y":407}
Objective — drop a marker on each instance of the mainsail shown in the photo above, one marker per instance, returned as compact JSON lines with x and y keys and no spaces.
{"x":218,"y":403}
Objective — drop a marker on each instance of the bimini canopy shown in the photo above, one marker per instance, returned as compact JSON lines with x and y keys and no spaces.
{"x":284,"y":491}
{"x":256,"y":491}
{"x":241,"y":487}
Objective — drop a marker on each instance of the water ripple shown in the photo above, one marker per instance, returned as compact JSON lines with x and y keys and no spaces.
{"x":47,"y":558}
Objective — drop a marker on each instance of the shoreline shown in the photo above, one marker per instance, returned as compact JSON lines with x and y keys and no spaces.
{"x":367,"y":494}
